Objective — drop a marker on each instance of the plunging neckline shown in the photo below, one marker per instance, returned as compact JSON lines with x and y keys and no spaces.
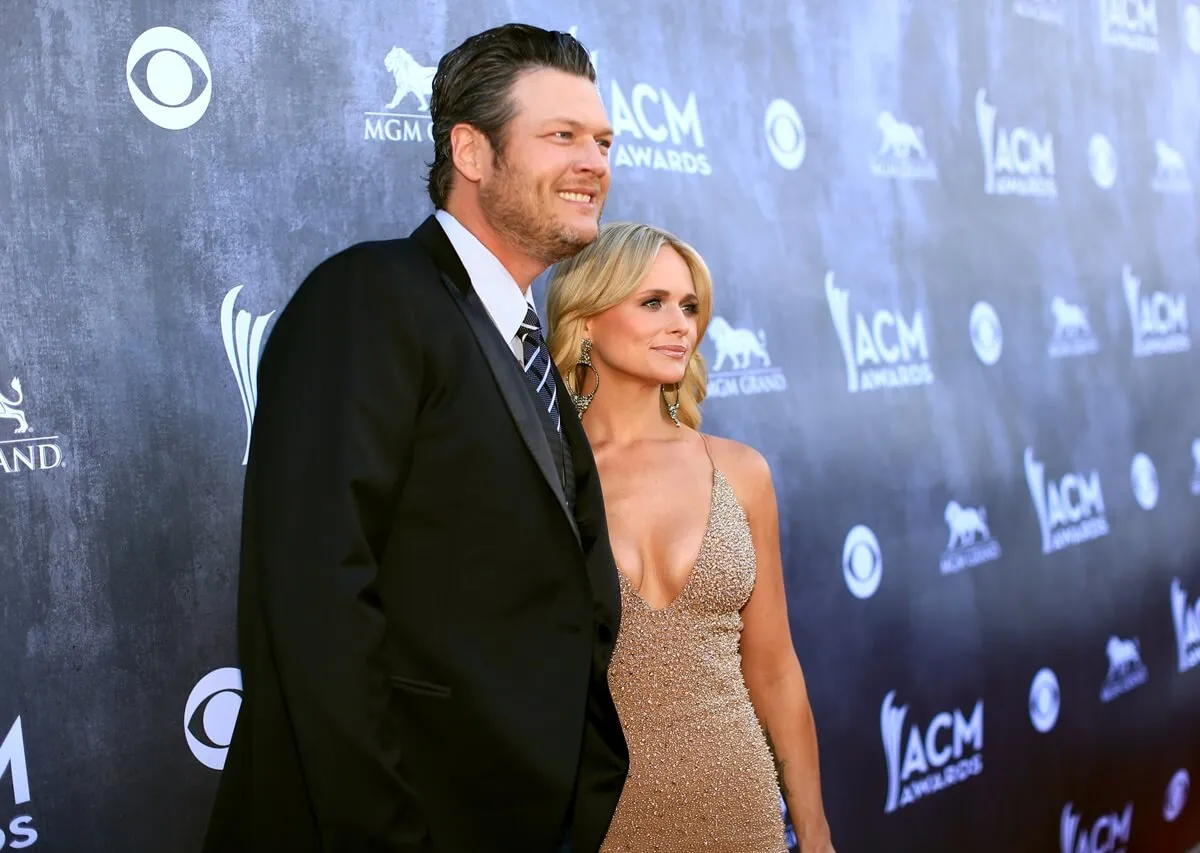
{"x":712,"y":506}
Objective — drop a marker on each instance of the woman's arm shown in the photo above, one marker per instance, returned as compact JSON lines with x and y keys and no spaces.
{"x":771,"y":668}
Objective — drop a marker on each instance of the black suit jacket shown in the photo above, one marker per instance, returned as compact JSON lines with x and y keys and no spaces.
{"x":424,"y":629}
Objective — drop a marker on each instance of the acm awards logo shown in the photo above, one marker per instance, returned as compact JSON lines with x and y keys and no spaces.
{"x":1130,"y":24}
{"x":1159,"y":319}
{"x":28,"y":452}
{"x":1017,"y":161}
{"x":20,"y":831}
{"x":1109,"y":834}
{"x":882,"y":349}
{"x":947,"y":753}
{"x":1070,"y":510}
{"x":659,"y":133}
{"x":210,"y":715}
{"x":652,"y":128}
{"x":1187,"y":626}
{"x":169,"y":78}
{"x":243,"y":336}
{"x":741,"y":364}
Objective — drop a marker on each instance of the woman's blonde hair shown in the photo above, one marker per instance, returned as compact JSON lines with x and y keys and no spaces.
{"x":603,"y":275}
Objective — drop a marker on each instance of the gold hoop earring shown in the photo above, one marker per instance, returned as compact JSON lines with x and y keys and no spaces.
{"x":672,"y":408}
{"x":582,"y":401}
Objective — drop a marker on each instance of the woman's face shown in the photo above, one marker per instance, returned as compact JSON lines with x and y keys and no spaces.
{"x":650,"y":335}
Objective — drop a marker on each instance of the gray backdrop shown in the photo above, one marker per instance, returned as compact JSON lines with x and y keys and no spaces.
{"x":955,"y":253}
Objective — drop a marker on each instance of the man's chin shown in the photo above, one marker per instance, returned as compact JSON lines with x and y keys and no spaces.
{"x":573,"y":240}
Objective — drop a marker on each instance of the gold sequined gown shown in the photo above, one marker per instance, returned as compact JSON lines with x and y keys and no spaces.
{"x":701,"y":777}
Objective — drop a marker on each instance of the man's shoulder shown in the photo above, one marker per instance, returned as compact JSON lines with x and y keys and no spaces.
{"x":401,"y":260}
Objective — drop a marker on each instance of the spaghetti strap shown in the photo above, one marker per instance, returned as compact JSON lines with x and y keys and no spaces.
{"x":708,"y":450}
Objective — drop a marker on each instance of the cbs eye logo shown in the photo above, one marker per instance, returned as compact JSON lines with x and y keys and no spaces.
{"x":211,"y":712}
{"x":169,"y":78}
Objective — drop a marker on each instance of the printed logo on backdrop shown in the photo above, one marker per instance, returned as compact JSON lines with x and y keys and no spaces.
{"x":1191,"y":27}
{"x":947,"y":753}
{"x":882,"y":349}
{"x":1187,"y":626}
{"x":210,"y":714}
{"x":1159,"y":319}
{"x":1109,"y":834}
{"x":902,"y":153}
{"x":1070,"y":510}
{"x":169,"y":78}
{"x":987,"y":335}
{"x":862,"y":562}
{"x":1046,"y":11}
{"x":656,"y":130}
{"x":1126,"y":671}
{"x":1102,"y":161}
{"x":1131,"y":24}
{"x":29,"y":451}
{"x":243,"y":336}
{"x":971,"y":543}
{"x":785,"y":134}
{"x":1177,"y":796}
{"x":742,"y":365}
{"x":1072,"y":335}
{"x":1045,"y":700}
{"x":1170,"y":171}
{"x":14,"y":766}
{"x":1196,"y":466}
{"x":1017,"y":161}
{"x":405,"y":117}
{"x":1143,"y":477}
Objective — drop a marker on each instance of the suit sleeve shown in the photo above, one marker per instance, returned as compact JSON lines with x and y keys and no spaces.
{"x":339,"y":392}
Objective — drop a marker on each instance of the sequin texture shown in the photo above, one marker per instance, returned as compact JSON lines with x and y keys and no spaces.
{"x":701,"y":776}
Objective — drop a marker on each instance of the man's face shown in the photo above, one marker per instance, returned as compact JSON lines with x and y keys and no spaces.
{"x":545,"y":191}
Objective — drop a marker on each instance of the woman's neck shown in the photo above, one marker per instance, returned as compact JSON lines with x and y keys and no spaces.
{"x":625,"y":412}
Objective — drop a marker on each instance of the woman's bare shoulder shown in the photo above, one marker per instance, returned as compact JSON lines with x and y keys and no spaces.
{"x":745,"y":468}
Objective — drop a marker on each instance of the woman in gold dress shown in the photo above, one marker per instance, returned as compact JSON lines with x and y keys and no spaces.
{"x":710,"y":692}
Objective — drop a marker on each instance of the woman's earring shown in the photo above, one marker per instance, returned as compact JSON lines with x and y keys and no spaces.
{"x":672,"y":408}
{"x":582,"y":401}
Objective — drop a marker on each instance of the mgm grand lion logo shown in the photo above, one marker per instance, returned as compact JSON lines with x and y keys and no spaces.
{"x":411,"y":77}
{"x":10,"y":409}
{"x":742,"y":365}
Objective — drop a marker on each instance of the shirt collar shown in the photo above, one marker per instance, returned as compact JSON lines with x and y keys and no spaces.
{"x":497,"y":289}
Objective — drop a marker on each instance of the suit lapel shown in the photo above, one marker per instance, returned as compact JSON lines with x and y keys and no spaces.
{"x":499,"y":358}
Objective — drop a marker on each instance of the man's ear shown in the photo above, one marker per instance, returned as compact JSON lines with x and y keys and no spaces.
{"x":470,"y":151}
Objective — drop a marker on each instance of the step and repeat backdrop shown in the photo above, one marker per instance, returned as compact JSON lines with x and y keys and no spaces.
{"x":955,"y":247}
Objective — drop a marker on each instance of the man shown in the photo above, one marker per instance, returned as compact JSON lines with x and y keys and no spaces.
{"x":427,"y":601}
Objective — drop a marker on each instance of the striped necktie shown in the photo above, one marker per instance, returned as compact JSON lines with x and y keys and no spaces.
{"x":536,"y":363}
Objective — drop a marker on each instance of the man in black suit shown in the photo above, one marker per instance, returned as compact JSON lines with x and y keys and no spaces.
{"x":427,"y":600}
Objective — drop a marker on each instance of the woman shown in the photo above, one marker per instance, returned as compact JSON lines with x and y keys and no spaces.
{"x":704,"y":674}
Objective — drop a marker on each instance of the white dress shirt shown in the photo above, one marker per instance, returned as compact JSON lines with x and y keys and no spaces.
{"x":500,"y":293}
